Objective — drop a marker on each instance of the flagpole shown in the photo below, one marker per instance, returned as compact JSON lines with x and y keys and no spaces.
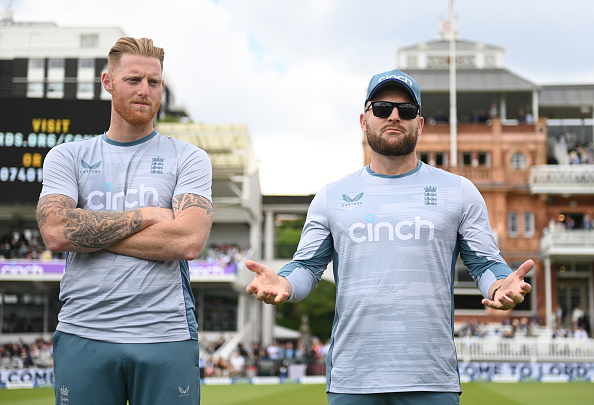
{"x":453,"y":107}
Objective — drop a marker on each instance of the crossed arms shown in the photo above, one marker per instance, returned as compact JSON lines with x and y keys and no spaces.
{"x":149,"y":233}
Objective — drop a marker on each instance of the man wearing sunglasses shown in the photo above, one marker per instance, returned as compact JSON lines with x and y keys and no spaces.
{"x":393,"y":231}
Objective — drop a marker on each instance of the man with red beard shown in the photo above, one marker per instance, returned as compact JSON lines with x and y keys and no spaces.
{"x":130,"y":208}
{"x":393,"y":231}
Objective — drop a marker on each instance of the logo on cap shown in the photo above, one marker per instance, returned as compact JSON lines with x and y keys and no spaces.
{"x":380,"y":80}
{"x":404,"y":79}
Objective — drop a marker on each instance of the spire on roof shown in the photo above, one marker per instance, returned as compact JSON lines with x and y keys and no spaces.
{"x":7,"y":16}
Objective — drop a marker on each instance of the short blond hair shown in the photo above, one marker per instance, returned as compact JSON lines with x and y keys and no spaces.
{"x":134,"y":46}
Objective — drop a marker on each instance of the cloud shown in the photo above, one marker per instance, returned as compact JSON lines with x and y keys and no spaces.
{"x":295,"y":71}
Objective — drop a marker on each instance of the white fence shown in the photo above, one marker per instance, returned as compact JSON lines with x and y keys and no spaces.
{"x":525,"y":349}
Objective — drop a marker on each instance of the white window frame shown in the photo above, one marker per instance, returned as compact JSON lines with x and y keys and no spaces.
{"x":89,"y":40}
{"x":529,"y":224}
{"x":513,"y":224}
{"x":519,"y":161}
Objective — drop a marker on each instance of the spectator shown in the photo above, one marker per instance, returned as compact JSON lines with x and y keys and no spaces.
{"x":493,"y":111}
{"x":209,"y":367}
{"x":26,"y":358}
{"x":576,"y":314}
{"x":289,"y":352}
{"x":529,"y":117}
{"x":580,"y":334}
{"x":22,"y":248}
{"x":521,"y":116}
{"x":45,"y":357}
{"x":242,"y":350}
{"x":587,"y":222}
{"x":558,"y":315}
{"x":574,"y":158}
{"x":236,"y":365}
{"x":274,"y":351}
{"x":255,"y":351}
{"x":6,"y":251}
{"x":584,"y":322}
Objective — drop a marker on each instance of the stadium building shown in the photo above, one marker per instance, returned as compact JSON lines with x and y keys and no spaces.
{"x":521,"y":156}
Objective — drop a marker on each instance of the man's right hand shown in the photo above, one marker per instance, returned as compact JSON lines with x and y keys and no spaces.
{"x":267,"y":285}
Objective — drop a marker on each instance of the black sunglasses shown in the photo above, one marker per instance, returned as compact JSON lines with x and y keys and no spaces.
{"x":383,"y":109}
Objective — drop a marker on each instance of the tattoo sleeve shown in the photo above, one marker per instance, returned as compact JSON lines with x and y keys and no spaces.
{"x":51,"y":203}
{"x":184,"y":201}
{"x":84,"y":228}
{"x":96,"y":229}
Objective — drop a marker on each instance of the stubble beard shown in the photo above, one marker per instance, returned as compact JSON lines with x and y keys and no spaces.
{"x":392,"y":148}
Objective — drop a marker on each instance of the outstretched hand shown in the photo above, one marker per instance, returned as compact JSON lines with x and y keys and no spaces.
{"x":513,"y":289}
{"x":267,"y":285}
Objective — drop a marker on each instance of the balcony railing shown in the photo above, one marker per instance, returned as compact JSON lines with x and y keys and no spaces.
{"x":567,"y":242}
{"x":525,"y":349}
{"x":562,"y":179}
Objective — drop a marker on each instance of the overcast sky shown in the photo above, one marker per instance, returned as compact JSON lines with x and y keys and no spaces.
{"x":295,"y":71}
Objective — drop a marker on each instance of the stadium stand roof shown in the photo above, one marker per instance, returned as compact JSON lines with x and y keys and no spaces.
{"x":235,"y":172}
{"x":471,"y":80}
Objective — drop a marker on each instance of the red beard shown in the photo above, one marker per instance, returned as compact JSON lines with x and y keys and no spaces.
{"x":133,"y":114}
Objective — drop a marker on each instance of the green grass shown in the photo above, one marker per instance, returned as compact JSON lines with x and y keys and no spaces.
{"x":305,"y":394}
{"x":533,"y":393}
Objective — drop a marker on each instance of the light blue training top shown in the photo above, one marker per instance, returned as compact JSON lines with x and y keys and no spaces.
{"x":394,"y":242}
{"x":118,"y":298}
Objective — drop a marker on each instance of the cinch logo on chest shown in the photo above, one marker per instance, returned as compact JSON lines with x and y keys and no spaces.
{"x":403,"y":230}
{"x":110,"y":201}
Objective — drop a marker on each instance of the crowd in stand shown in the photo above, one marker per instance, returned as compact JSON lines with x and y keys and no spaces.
{"x":22,"y":355}
{"x":568,"y":222}
{"x":578,"y":328}
{"x":482,"y":116}
{"x":573,"y":153}
{"x":18,"y":246}
{"x":581,"y":155}
{"x":258,"y":360}
{"x":224,"y":254}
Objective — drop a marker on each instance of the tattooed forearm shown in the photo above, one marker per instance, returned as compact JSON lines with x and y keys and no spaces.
{"x":52,"y":202}
{"x":96,"y":230}
{"x":57,"y":215}
{"x":184,"y":201}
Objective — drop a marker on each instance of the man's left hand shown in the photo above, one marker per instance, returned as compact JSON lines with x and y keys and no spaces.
{"x":512,"y":290}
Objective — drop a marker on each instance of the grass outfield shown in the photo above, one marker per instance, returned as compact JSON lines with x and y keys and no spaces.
{"x":305,"y":394}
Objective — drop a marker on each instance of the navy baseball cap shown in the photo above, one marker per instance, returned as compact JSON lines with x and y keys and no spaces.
{"x":394,"y":78}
